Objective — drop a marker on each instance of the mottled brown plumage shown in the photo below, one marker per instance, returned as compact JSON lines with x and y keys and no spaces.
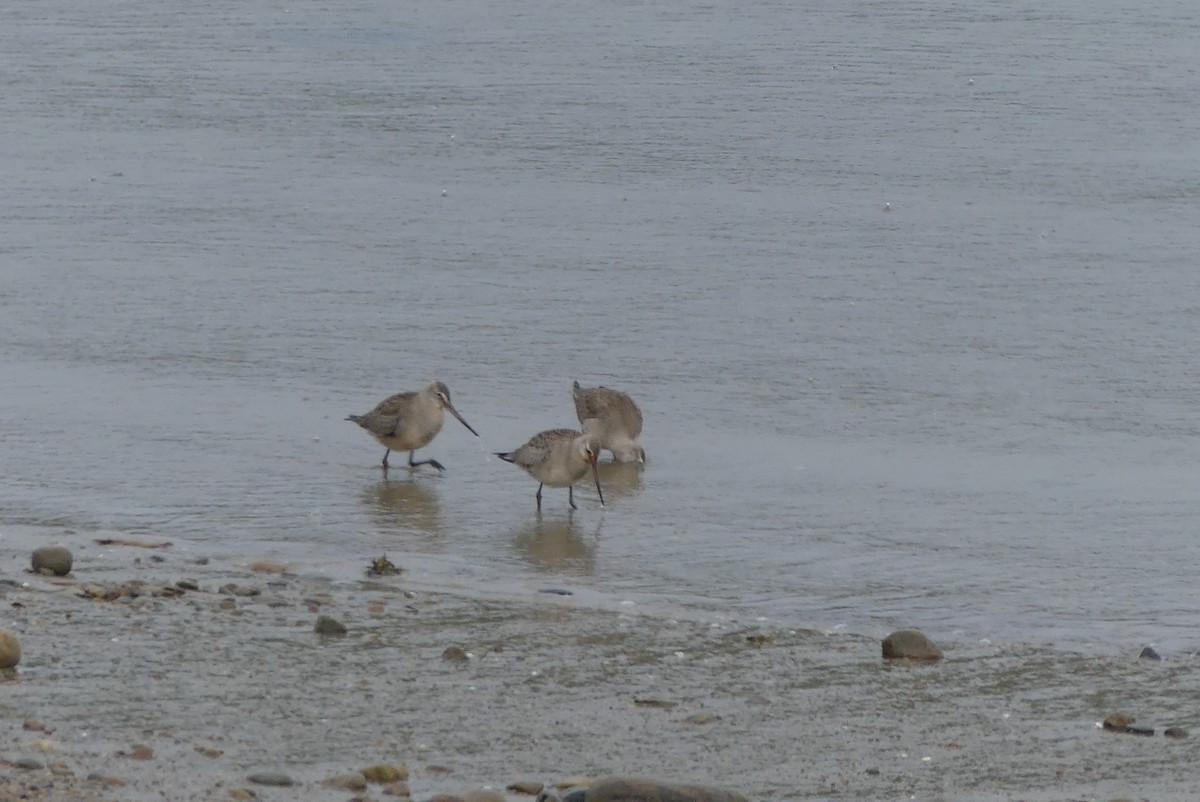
{"x":408,"y":421}
{"x":559,"y":458}
{"x":613,"y":417}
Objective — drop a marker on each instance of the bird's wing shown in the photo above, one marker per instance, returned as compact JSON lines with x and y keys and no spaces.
{"x":608,"y":405}
{"x":580,"y":396}
{"x":384,"y":418}
{"x":540,"y":446}
{"x":631,"y":417}
{"x":593,"y":402}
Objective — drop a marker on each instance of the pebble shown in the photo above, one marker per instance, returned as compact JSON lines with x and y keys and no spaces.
{"x":398,"y":788}
{"x":1175,"y":732}
{"x":327,"y":625}
{"x":386,"y":773}
{"x":382,"y":566}
{"x":28,"y":763}
{"x":10,"y":649}
{"x":271,"y":778}
{"x":138,"y":752}
{"x":52,"y":560}
{"x":910,"y":644}
{"x":531,"y":787}
{"x":187,"y":584}
{"x":1149,"y":654}
{"x":106,"y":780}
{"x":454,"y":654}
{"x":1118,"y":722}
{"x":234,"y":589}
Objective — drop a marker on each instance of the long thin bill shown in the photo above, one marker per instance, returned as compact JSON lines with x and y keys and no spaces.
{"x":454,"y":412}
{"x":596,"y":476}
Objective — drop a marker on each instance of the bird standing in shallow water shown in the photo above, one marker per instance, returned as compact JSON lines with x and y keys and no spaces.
{"x":408,"y":421}
{"x":559,"y":458}
{"x":614,"y":418}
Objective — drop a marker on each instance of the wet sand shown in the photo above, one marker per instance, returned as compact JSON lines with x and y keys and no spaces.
{"x":219,"y":686}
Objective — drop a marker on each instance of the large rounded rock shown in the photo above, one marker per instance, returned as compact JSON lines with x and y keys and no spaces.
{"x":629,"y":789}
{"x":10,"y":649}
{"x":52,"y":560}
{"x":1118,"y":722}
{"x":276,"y":778}
{"x":329,"y":626}
{"x":910,"y":644}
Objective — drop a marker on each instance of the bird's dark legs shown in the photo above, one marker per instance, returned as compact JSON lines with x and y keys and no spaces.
{"x":385,"y":456}
{"x":539,"y":498}
{"x":432,"y":462}
{"x":571,"y":497}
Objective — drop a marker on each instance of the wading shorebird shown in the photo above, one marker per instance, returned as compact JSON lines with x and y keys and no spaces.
{"x":614,"y":418}
{"x":559,"y":458}
{"x":408,"y":421}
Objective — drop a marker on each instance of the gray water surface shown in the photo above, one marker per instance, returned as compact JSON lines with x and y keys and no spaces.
{"x":906,"y":291}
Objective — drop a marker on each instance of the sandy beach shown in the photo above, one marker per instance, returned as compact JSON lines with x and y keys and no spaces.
{"x":161,"y":692}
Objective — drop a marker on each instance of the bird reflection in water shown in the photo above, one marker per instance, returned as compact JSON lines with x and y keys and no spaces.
{"x":620,"y":478}
{"x":403,"y":504}
{"x":559,"y":545}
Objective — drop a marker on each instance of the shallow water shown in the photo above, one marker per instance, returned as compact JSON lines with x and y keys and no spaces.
{"x":905,"y":292}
